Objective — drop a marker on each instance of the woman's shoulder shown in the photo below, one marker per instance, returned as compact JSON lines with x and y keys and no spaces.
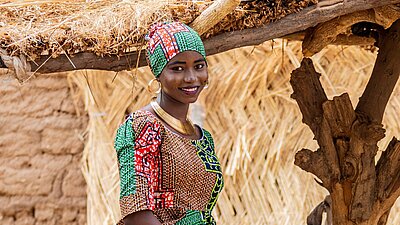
{"x":142,"y":116}
{"x":139,"y":124}
{"x":135,"y":121}
{"x":146,"y":124}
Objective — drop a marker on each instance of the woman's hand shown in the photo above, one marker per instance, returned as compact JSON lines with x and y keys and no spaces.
{"x":145,"y":217}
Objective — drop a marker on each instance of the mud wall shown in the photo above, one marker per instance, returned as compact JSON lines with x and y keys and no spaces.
{"x":41,"y":144}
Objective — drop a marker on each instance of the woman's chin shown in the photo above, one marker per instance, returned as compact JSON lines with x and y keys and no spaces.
{"x":191,"y":100}
{"x":185,"y":99}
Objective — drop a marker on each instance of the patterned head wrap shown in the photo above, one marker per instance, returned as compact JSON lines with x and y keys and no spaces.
{"x":166,"y":40}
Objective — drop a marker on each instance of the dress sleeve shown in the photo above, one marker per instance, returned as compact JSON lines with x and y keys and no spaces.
{"x":137,"y":144}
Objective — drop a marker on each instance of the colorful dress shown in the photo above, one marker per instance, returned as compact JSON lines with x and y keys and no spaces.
{"x":177,"y":178}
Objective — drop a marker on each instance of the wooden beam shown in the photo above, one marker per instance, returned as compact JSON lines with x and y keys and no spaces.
{"x":87,"y":60}
{"x":341,"y":39}
{"x":308,"y":17}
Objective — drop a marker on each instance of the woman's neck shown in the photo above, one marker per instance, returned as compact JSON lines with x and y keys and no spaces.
{"x":174,"y":108}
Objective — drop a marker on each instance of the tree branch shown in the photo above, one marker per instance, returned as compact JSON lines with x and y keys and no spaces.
{"x":309,"y":94}
{"x":329,"y":120}
{"x":315,"y":163}
{"x":362,"y":192}
{"x":384,"y":75}
{"x":292,"y":23}
{"x":388,"y":172}
{"x":322,"y":35}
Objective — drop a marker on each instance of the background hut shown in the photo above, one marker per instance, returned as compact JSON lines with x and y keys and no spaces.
{"x":49,"y":119}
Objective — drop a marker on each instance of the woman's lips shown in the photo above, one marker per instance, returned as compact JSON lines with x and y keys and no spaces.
{"x":189,"y":90}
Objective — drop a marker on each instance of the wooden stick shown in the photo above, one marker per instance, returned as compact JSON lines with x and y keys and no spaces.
{"x":309,"y":100}
{"x":213,"y":14}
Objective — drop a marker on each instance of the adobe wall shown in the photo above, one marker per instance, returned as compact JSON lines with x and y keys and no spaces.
{"x":40,"y":151}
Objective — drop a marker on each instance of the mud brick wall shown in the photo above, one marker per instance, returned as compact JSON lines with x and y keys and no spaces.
{"x":41,"y":144}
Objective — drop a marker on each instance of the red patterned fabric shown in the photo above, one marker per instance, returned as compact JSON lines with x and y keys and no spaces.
{"x":164,"y":35}
{"x":148,"y":164}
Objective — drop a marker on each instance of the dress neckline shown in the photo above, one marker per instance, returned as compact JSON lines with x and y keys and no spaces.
{"x":171,"y":131}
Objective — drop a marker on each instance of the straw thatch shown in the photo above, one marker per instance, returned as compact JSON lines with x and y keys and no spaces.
{"x":256,"y":126}
{"x":50,"y":27}
{"x":108,"y":35}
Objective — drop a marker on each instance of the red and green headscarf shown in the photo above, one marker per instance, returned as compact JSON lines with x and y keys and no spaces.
{"x":166,"y":40}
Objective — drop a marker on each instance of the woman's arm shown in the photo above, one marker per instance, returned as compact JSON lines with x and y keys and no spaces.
{"x":145,"y":217}
{"x":135,"y":197}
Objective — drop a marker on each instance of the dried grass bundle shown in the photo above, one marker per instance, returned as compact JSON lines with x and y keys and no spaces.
{"x":256,"y":126}
{"x":57,"y":27}
{"x":53,"y":27}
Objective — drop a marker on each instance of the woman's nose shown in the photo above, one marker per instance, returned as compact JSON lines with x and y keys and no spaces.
{"x":190,"y":76}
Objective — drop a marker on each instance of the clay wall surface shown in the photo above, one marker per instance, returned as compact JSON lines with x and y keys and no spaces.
{"x":41,"y":144}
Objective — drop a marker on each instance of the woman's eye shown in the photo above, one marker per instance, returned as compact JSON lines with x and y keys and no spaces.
{"x":199,"y":66}
{"x":177,"y":68}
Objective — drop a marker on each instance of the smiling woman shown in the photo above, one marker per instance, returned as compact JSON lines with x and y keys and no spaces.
{"x":184,"y":78}
{"x":169,"y":172}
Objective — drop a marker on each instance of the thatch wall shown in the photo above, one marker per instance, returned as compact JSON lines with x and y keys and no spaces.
{"x":41,"y":144}
{"x":256,"y":126}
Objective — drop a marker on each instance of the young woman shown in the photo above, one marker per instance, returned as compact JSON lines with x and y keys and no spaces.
{"x":168,"y":168}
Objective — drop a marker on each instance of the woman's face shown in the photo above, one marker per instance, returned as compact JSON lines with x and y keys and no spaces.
{"x":184,"y":77}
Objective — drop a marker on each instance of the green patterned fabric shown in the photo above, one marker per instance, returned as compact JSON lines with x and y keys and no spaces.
{"x":192,"y":217}
{"x":166,"y":40}
{"x":124,"y":143}
{"x":206,"y":153}
{"x":205,"y":150}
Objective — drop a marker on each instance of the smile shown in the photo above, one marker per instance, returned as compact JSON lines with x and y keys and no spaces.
{"x":189,"y":90}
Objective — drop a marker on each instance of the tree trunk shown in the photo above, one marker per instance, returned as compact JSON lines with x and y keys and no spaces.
{"x":361,"y":191}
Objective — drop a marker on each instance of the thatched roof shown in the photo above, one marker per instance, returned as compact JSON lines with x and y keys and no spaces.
{"x":108,"y":35}
{"x":113,"y":27}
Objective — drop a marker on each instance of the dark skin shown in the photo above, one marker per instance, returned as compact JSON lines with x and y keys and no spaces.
{"x":182,"y":81}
